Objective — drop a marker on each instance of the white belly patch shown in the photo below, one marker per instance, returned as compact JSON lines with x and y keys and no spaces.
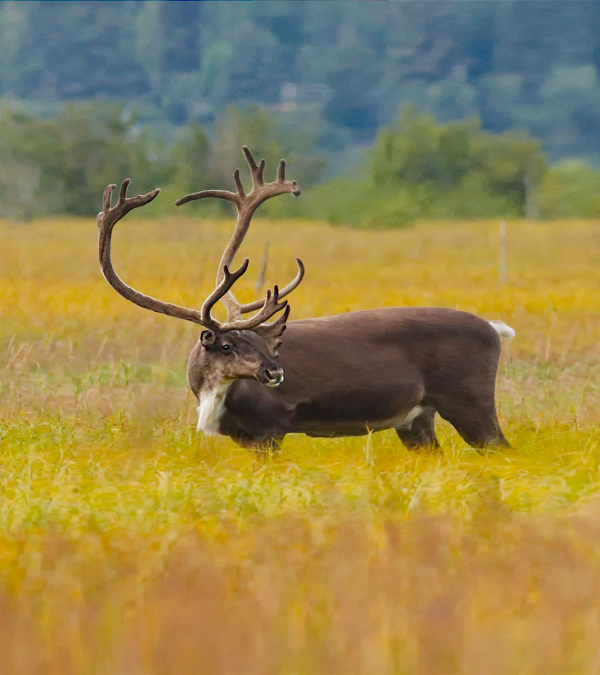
{"x":401,"y":422}
{"x":211,"y":408}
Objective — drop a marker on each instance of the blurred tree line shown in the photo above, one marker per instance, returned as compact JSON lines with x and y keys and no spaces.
{"x":167,"y":92}
{"x":417,"y":168}
{"x":513,"y":64}
{"x":62,"y":163}
{"x":421,"y":168}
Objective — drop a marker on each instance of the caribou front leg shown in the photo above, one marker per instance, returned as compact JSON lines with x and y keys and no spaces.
{"x":268,"y":447}
{"x":262,"y":445}
{"x":420,"y":433}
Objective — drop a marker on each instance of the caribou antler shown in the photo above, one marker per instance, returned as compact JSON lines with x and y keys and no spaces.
{"x":246,"y":205}
{"x":110,"y":216}
{"x":272,"y":332}
{"x":270,"y":306}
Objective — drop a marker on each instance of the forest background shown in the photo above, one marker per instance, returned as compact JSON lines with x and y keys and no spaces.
{"x":391,"y":110}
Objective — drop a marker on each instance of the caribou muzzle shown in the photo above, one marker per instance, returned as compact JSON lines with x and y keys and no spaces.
{"x":271,"y":377}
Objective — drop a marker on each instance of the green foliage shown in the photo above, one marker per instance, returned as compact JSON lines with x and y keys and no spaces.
{"x":515,"y":65}
{"x":27,"y":149}
{"x":570,"y":189}
{"x":316,"y":87}
{"x":420,"y":168}
{"x":356,"y":201}
{"x":191,"y":158}
{"x":102,"y":144}
{"x":204,"y":162}
{"x":417,"y":167}
{"x":61,"y":164}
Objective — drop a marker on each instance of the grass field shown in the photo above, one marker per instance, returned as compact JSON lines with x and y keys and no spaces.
{"x":131,"y":544}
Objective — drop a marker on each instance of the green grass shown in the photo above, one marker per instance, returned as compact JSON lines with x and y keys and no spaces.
{"x":68,"y":476}
{"x":130,"y":543}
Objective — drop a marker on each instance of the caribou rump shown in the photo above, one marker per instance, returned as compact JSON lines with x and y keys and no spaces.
{"x":342,"y":375}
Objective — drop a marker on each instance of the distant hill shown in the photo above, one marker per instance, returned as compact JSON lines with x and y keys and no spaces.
{"x":515,"y":64}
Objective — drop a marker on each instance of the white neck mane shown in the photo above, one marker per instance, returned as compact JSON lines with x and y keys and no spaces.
{"x":211,"y":408}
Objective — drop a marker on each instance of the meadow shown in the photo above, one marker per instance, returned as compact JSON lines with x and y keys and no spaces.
{"x":129,"y":543}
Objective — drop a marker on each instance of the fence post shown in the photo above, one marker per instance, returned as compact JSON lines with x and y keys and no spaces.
{"x":502,"y":252}
{"x":263,"y":270}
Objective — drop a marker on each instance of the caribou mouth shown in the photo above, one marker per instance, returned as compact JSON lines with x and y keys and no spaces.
{"x":273,"y":380}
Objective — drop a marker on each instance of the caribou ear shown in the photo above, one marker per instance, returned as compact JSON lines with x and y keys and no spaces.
{"x":207,"y":338}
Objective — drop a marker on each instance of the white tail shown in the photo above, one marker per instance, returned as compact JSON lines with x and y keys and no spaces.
{"x":502,"y":329}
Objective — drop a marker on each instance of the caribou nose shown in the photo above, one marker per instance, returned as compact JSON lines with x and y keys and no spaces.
{"x":274,"y":376}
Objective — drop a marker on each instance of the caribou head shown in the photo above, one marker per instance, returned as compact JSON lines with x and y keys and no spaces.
{"x":237,"y":348}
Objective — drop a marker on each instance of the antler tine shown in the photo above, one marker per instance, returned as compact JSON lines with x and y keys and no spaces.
{"x":238,"y":183}
{"x":249,"y":158}
{"x":281,"y":172}
{"x":281,"y":320}
{"x":270,"y":307}
{"x":123,"y":191}
{"x":286,"y":290}
{"x":106,"y":198}
{"x":111,"y":215}
{"x":229,"y":278}
{"x":260,"y":171}
{"x":256,"y":170}
{"x":272,"y":332}
{"x":107,"y":219}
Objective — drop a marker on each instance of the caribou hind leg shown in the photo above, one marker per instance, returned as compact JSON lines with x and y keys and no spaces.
{"x":476,"y":421}
{"x":420,"y":433}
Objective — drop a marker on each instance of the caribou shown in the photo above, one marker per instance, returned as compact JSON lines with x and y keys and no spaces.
{"x":343,"y":375}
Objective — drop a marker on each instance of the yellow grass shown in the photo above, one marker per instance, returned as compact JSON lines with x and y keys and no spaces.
{"x":131,"y":544}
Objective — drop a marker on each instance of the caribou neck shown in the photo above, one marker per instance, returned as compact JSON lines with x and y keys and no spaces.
{"x":211,"y":404}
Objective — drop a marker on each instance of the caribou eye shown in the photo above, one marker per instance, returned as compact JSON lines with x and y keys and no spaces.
{"x":226,"y":348}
